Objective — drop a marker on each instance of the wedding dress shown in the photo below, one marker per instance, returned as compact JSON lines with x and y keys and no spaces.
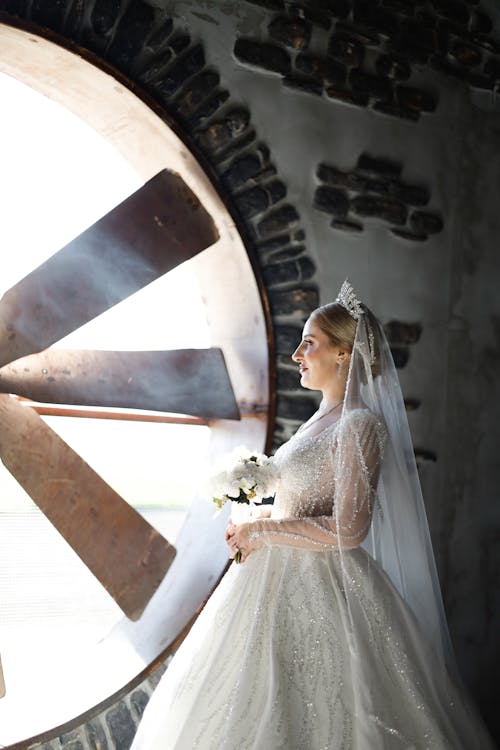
{"x":331,"y":635}
{"x":308,"y":646}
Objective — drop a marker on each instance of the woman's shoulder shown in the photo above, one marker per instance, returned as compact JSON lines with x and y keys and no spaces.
{"x":363,"y":421}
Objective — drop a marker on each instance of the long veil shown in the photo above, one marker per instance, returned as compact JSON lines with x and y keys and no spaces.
{"x":399,"y":538}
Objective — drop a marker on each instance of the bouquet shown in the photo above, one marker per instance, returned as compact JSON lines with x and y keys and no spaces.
{"x":244,"y":477}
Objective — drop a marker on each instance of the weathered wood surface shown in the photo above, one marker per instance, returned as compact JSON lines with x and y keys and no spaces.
{"x":125,"y":553}
{"x":183,"y":381}
{"x":158,"y":227}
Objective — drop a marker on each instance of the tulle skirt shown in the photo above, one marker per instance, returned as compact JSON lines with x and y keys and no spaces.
{"x":282,"y":659}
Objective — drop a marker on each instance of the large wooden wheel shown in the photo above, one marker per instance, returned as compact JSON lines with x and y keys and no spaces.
{"x":160,"y":226}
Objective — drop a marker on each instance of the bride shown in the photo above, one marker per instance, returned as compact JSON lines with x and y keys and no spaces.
{"x":331,"y":633}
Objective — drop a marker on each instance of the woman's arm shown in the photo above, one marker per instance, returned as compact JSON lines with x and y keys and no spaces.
{"x":356,"y":459}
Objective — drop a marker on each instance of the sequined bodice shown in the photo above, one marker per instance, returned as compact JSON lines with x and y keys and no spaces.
{"x":306,"y":483}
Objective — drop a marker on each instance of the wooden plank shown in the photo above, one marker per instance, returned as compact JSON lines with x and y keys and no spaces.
{"x":183,"y":381}
{"x":160,"y":226}
{"x":125,"y":553}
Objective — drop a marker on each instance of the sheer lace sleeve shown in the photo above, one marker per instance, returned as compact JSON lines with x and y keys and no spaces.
{"x":356,"y":453}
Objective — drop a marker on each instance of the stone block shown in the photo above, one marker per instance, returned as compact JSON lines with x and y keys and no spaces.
{"x":15,"y":7}
{"x":425,"y":18}
{"x":68,"y":739}
{"x":407,"y":234}
{"x":400,"y":355}
{"x":160,"y":36}
{"x":466,"y":54}
{"x":369,"y":84}
{"x":276,"y":190}
{"x":492,"y":68}
{"x":414,"y":195}
{"x":241,"y":170}
{"x":317,"y":13}
{"x":278,"y":221}
{"x":287,"y":379}
{"x":153,"y":679}
{"x":154,"y":69}
{"x":305,"y":84}
{"x":267,"y":56}
{"x":411,"y":404}
{"x":424,"y":456}
{"x":139,"y":700}
{"x":268,"y":4}
{"x":423,"y":222}
{"x":133,"y":28}
{"x":294,"y":251}
{"x":287,"y":339}
{"x":388,"y":210}
{"x":178,"y":42}
{"x":337,"y":8}
{"x":252,"y":202}
{"x":396,"y":110}
{"x":347,"y":49}
{"x":49,"y":13}
{"x":415,"y":99}
{"x":377,"y":19}
{"x":352,"y":180}
{"x":478,"y":81}
{"x":333,"y":176}
{"x":487,"y":43}
{"x":379,"y":167}
{"x":96,"y":736}
{"x":197,"y":91}
{"x":344,"y":225}
{"x":296,"y":302}
{"x":291,"y":271}
{"x":104,"y":15}
{"x":299,"y":408}
{"x":346,"y":96}
{"x":319,"y":67}
{"x":218,"y":135}
{"x":72,"y":745}
{"x":481,"y":23}
{"x":236,"y":147}
{"x":394,"y":67}
{"x":401,"y":6}
{"x":181,"y":71}
{"x":208,"y":109}
{"x":363,"y":35}
{"x":455,"y":10}
{"x":121,"y":726}
{"x":293,"y":32}
{"x":332,"y":201}
{"x":276,"y":243}
{"x":415,"y":41}
{"x":401,"y":333}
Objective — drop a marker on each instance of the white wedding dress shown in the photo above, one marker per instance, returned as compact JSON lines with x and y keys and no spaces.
{"x":305,"y":646}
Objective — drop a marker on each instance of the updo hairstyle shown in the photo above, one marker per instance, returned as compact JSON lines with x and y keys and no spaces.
{"x":340,"y":327}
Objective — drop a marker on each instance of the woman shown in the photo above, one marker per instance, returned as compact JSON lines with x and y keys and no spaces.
{"x":330,"y":635}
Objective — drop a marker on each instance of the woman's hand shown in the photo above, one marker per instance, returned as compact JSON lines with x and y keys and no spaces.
{"x":237,"y":538}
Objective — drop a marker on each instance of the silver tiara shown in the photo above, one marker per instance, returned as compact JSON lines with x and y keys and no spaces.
{"x":347,"y":298}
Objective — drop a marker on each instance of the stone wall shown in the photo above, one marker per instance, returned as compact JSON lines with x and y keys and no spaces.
{"x":344,"y":138}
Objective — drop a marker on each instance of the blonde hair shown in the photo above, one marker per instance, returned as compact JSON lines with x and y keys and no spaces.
{"x":334,"y":320}
{"x":340,"y":327}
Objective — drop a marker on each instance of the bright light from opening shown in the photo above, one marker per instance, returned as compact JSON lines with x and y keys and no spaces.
{"x":58,"y":178}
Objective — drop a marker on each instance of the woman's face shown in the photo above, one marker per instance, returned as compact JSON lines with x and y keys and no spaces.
{"x":317,"y":357}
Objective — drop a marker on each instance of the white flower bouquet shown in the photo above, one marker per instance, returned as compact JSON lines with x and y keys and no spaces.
{"x":244,"y":477}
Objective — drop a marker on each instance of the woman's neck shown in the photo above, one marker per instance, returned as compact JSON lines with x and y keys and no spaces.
{"x":332,"y":397}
